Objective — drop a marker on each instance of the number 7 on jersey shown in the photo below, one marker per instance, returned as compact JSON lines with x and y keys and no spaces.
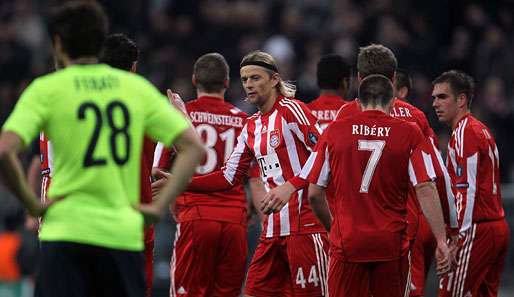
{"x":376,"y":147}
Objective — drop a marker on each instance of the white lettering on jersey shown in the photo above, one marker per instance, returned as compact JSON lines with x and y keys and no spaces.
{"x":400,"y":112}
{"x":215,"y":119}
{"x":373,"y":130}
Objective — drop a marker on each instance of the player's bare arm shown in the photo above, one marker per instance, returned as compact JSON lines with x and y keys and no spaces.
{"x":190,"y":153}
{"x":12,"y":173}
{"x":277,"y":197}
{"x":428,"y":198}
{"x":319,"y":205}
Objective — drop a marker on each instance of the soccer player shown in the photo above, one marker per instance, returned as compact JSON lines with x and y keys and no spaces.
{"x":121,"y":52}
{"x":473,"y":164}
{"x":291,"y":257}
{"x":92,"y":233}
{"x":369,"y":250}
{"x":209,"y":254}
{"x":403,"y":84}
{"x":333,"y":75}
{"x":378,"y":59}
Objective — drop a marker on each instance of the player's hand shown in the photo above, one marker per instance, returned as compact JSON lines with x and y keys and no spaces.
{"x":444,"y":259}
{"x":162,"y":178}
{"x":38,"y":209}
{"x":151,"y":213}
{"x":276,"y":198}
{"x":454,"y":246}
{"x":176,"y":101}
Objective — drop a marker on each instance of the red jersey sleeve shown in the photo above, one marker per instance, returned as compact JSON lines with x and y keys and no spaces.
{"x":421,"y":167}
{"x":317,"y":169}
{"x":163,"y":157}
{"x":304,"y":123}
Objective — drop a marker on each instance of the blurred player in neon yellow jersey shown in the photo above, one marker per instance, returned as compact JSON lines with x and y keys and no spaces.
{"x":95,"y":116}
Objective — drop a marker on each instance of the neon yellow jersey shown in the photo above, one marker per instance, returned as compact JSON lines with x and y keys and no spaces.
{"x":95,"y":116}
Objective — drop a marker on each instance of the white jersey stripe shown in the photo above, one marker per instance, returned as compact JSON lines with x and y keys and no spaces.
{"x":449,"y":192}
{"x":472,"y":165}
{"x":429,"y":165}
{"x":324,"y":177}
{"x":230,"y":171}
{"x":157,"y":154}
{"x":299,"y":109}
{"x":50,"y":157}
{"x":412,"y":175}
{"x":294,"y":112}
{"x":285,"y":227}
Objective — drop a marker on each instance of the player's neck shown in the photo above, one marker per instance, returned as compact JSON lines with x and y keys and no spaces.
{"x":268,"y":104}
{"x":80,"y":61}
{"x":460,"y":114}
{"x":384,"y":109}
{"x":329,"y":92}
{"x":220,"y":95}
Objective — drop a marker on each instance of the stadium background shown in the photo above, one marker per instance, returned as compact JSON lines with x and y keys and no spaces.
{"x":428,"y":37}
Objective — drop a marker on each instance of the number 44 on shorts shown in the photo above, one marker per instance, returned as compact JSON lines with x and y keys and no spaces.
{"x":312,"y":279}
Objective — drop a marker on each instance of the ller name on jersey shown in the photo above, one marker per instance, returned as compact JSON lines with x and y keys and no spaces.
{"x":373,"y":130}
{"x":216,"y":119}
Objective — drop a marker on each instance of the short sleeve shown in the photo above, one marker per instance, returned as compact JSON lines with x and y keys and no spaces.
{"x":421,"y":166}
{"x":163,"y":122}
{"x":29,"y":115}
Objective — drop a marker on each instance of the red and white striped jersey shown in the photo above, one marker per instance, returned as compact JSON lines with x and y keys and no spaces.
{"x":410,"y":113}
{"x":280,"y":141}
{"x":325,"y":108}
{"x":473,"y":164}
{"x":218,"y":123}
{"x":357,"y":155}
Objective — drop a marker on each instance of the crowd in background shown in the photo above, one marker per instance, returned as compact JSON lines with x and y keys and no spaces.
{"x":428,"y":37}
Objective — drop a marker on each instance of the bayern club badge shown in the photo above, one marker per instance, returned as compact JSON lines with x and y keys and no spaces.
{"x":274,"y":138}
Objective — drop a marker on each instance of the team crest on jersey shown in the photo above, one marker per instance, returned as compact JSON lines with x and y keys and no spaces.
{"x":274,"y":138}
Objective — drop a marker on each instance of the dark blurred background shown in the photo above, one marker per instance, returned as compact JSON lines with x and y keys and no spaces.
{"x":428,"y":37}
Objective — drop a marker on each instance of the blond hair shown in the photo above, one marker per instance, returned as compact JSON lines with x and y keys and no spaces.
{"x":286,"y":89}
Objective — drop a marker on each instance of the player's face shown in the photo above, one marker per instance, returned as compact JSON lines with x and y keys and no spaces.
{"x":258,"y":84}
{"x":444,"y":102}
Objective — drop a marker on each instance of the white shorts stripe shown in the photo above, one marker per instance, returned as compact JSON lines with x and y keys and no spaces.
{"x":173,"y":265}
{"x":461,"y":289}
{"x":318,"y":262}
{"x":324,"y":263}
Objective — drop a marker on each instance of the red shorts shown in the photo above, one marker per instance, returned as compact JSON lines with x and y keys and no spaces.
{"x":208,"y":259}
{"x":481,"y":258}
{"x":377,"y":279}
{"x":149,"y":241}
{"x":294,"y":265}
{"x":422,"y":255}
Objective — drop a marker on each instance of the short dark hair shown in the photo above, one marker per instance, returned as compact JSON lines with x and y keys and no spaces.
{"x":119,"y":51}
{"x":332,"y":69}
{"x":376,"y":59}
{"x":460,"y":83}
{"x":81,"y":26}
{"x":403,"y":79}
{"x":376,"y":90}
{"x":211,"y":70}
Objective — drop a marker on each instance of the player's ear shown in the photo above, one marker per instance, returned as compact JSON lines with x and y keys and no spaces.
{"x":275,"y":78}
{"x":193,"y":80}
{"x":462,"y":100}
{"x":226,"y":83}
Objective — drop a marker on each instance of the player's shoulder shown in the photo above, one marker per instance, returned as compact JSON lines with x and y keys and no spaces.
{"x":416,"y":112}
{"x":295,"y":110}
{"x":473,"y":129}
